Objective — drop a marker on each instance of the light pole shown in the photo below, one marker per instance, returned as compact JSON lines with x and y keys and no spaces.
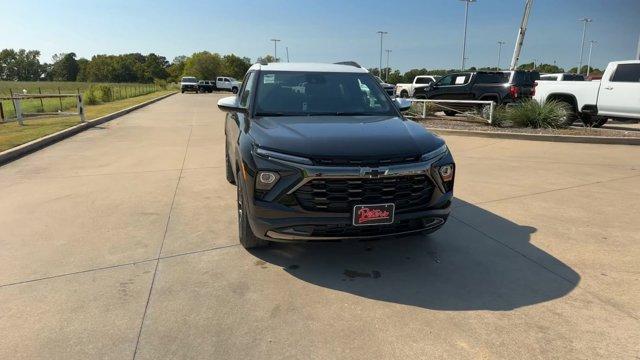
{"x":287,"y":48}
{"x":387,"y":76}
{"x":638,"y":51}
{"x":591,"y":42}
{"x":382,"y":33}
{"x":500,"y":43}
{"x":275,"y":49}
{"x":584,"y":33}
{"x":464,"y":37}
{"x":534,"y":64}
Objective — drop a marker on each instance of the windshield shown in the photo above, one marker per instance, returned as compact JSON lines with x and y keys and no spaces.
{"x":306,"y":93}
{"x":189,"y":80}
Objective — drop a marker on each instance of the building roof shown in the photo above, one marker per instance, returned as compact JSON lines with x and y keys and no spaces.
{"x":310,"y":67}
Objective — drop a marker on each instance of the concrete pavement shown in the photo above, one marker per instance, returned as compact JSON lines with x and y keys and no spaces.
{"x":122,"y":241}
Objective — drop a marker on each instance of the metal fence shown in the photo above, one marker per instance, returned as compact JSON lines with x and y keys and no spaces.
{"x":449,"y":105}
{"x":20,"y":115}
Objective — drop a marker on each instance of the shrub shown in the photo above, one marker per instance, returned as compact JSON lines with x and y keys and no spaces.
{"x":90,"y":97}
{"x":530,"y":113}
{"x":160,"y":84}
{"x":500,"y":116}
{"x":104,"y":93}
{"x":418,"y":109}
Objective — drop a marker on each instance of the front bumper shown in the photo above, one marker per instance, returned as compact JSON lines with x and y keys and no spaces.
{"x":277,"y":215}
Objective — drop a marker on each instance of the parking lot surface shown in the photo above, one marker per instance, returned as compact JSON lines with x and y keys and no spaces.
{"x":121,"y":242}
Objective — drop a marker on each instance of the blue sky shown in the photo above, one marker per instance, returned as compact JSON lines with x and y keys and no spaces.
{"x":422,"y":33}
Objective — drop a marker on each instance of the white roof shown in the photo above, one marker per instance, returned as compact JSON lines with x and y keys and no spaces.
{"x":311,"y":67}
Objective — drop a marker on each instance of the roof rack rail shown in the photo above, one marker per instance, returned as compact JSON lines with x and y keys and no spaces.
{"x":349,"y":63}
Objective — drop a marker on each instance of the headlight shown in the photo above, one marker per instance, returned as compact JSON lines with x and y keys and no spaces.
{"x":286,"y":157}
{"x":446,"y":172}
{"x":435,"y":153}
{"x":265,"y":180}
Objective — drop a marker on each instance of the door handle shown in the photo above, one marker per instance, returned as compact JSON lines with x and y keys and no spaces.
{"x":608,"y":87}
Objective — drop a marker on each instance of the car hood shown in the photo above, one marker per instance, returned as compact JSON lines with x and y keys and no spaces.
{"x":343,"y":136}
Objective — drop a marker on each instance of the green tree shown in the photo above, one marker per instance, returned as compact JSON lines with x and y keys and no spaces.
{"x":592,"y":71}
{"x":235,"y":66}
{"x":8,"y":64}
{"x":203,"y":65}
{"x":82,"y":69}
{"x":155,"y":67}
{"x":65,"y":67}
{"x":395,"y":77}
{"x":266,"y":59}
{"x":176,"y":69}
{"x":21,"y":65}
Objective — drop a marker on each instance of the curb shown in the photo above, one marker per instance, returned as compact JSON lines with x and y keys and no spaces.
{"x":540,"y":137}
{"x":37,"y":144}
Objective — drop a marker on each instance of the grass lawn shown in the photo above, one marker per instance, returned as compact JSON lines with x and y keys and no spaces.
{"x":13,"y":134}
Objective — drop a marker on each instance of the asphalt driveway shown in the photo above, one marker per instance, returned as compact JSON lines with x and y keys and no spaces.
{"x":121,"y":242}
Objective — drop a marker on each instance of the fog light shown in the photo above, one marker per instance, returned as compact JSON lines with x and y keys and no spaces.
{"x":266,"y":180}
{"x":446,"y":172}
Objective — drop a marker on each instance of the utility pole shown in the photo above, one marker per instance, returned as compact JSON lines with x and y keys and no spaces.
{"x":534,"y":63}
{"x":382,"y":33}
{"x":591,"y":43}
{"x":287,"y":48}
{"x":387,"y":76}
{"x":464,"y":36}
{"x":500,"y":43}
{"x":520,"y":39}
{"x":584,"y":33}
{"x":638,"y":51}
{"x":275,"y":49}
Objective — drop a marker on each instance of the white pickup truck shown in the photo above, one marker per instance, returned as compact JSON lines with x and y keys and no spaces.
{"x":616,"y":96}
{"x":420,"y":81}
{"x":228,"y":84}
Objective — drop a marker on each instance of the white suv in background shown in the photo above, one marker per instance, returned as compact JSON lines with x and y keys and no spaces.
{"x":227,"y":83}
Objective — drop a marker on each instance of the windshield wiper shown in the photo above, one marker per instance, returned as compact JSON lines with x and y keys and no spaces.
{"x":341,"y":113}
{"x":270,"y":114}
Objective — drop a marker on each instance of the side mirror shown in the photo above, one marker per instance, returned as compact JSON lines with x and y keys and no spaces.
{"x":403,"y":104}
{"x":231,"y":104}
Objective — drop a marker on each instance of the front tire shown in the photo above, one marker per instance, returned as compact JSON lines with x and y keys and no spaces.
{"x":234,"y":90}
{"x":248,"y":240}
{"x":404,"y":94}
{"x":450,"y":113}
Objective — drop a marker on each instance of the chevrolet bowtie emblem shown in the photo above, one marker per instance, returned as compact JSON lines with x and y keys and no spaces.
{"x":373,"y":173}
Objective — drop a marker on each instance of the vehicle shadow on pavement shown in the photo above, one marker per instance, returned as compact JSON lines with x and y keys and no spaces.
{"x":456,"y":268}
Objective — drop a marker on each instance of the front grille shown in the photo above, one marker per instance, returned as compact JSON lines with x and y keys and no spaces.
{"x":341,"y":195}
{"x":366,"y":162}
{"x":364,"y":231}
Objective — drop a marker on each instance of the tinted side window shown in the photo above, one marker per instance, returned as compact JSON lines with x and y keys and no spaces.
{"x":627,"y":73}
{"x":424,"y":81}
{"x":455,"y":79}
{"x":492,"y":78}
{"x":248,"y":89}
{"x":572,"y":77}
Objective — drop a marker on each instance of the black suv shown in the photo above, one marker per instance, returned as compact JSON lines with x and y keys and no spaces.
{"x":321,"y":152}
{"x":501,"y":87}
{"x":206,"y":86}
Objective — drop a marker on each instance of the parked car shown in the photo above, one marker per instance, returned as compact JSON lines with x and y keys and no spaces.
{"x":501,"y":87}
{"x":615,"y":96}
{"x":390,"y":89}
{"x":419,"y":82}
{"x":227,"y":84}
{"x":206,"y":86}
{"x":188,"y":83}
{"x":316,"y":157}
{"x":562,"y":77}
